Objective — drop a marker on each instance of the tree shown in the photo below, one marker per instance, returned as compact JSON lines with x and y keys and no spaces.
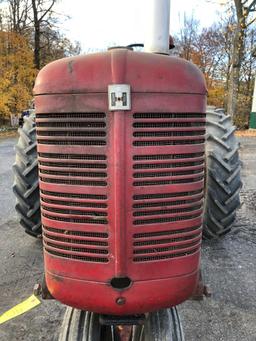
{"x":18,"y":15}
{"x":55,"y":46}
{"x":187,"y":37}
{"x":243,"y":21}
{"x":16,"y":78}
{"x":42,"y":12}
{"x":206,"y":49}
{"x":37,"y":21}
{"x":29,"y":39}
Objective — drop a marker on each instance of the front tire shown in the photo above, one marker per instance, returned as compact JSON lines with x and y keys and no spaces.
{"x":223,"y":182}
{"x":26,"y":182}
{"x":163,"y":325}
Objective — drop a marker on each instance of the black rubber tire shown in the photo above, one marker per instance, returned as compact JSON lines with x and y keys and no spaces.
{"x":79,"y":325}
{"x":223,"y":182}
{"x":163,"y":325}
{"x":26,"y":182}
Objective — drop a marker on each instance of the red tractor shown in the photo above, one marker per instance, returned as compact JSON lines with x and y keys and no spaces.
{"x":132,"y":172}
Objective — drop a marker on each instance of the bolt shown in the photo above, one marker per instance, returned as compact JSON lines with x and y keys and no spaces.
{"x":120,"y":301}
{"x":207,"y":292}
{"x":37,"y":289}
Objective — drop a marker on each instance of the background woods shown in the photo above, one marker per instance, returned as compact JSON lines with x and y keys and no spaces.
{"x":225,"y":52}
{"x":29,"y":39}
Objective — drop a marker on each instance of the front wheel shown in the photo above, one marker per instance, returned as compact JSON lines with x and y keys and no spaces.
{"x":26,"y":184}
{"x":223,"y":181}
{"x":163,"y":325}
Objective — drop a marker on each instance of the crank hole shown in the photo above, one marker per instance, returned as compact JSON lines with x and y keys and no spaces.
{"x":120,"y":282}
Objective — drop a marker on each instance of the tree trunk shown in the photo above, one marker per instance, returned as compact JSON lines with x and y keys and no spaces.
{"x":36,"y":35}
{"x":37,"y":56}
{"x":234,"y":77}
{"x":237,"y":55}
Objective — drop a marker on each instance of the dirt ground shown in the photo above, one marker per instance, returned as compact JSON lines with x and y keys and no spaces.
{"x":229,"y":269}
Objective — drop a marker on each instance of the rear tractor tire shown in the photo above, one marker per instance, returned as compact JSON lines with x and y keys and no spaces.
{"x":163,"y":325}
{"x":26,"y":182}
{"x":223,"y":182}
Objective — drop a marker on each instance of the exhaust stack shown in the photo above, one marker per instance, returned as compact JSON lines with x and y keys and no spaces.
{"x":157,"y":39}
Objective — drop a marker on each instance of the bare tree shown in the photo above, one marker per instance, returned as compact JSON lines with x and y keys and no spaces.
{"x":187,"y":37}
{"x":243,"y":9}
{"x":18,"y":13}
{"x":37,"y":21}
{"x":42,"y":11}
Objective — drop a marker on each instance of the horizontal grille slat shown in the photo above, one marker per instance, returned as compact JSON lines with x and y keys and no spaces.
{"x":165,"y":233}
{"x":166,"y":241}
{"x":165,"y":220}
{"x":169,"y":142}
{"x":77,"y":257}
{"x":174,"y":173}
{"x":70,"y":203}
{"x":76,"y":220}
{"x":76,"y":241}
{"x":75,"y":212}
{"x":72,"y":142}
{"x":102,"y":235}
{"x":167,"y":124}
{"x":164,"y":249}
{"x":75,"y":195}
{"x":165,"y":195}
{"x":72,"y":165}
{"x":167,"y":156}
{"x":73,"y":182}
{"x":167,"y":211}
{"x":163,"y":257}
{"x":74,"y":173}
{"x":169,"y":133}
{"x":162,"y":115}
{"x":73,"y":156}
{"x":71,"y":124}
{"x":72,"y":115}
{"x":166,"y":203}
{"x":75,"y":249}
{"x":168,"y":165}
{"x":72,"y":133}
{"x":168,"y":182}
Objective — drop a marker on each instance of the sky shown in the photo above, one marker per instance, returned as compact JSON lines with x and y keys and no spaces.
{"x":98,"y":24}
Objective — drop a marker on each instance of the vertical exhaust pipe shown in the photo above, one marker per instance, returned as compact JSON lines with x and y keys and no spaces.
{"x":157,"y":39}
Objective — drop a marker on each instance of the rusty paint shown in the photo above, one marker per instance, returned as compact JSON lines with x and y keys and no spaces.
{"x":70,"y":66}
{"x":201,"y":290}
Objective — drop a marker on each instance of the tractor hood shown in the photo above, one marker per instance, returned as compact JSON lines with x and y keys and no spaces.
{"x":145,"y":72}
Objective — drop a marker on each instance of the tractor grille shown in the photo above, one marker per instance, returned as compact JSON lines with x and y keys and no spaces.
{"x":159,"y":180}
{"x":164,"y":184}
{"x":74,"y":182}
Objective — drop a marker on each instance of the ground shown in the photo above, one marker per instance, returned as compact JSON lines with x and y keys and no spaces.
{"x":229,"y":269}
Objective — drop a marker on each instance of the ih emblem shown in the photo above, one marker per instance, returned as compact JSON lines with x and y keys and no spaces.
{"x":119,"y":97}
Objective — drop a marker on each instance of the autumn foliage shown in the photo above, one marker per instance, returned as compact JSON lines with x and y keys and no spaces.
{"x":29,"y":39}
{"x":17,"y":73}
